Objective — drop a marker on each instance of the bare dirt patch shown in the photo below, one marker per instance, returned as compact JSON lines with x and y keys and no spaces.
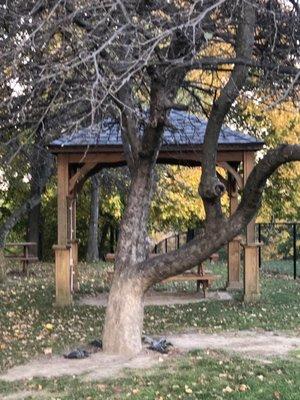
{"x":251,"y":343}
{"x":26,"y":394}
{"x":260,"y":345}
{"x":161,"y":298}
{"x":18,"y":395}
{"x":97,"y":366}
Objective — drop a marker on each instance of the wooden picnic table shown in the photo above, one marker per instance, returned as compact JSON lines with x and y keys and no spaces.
{"x":201,"y":277}
{"x":23,"y":256}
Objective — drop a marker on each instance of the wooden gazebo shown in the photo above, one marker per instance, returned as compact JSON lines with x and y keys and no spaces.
{"x":86,"y":151}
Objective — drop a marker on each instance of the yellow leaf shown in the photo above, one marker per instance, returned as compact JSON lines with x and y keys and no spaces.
{"x":227,"y":390}
{"x":188,"y":390}
{"x":49,"y":327}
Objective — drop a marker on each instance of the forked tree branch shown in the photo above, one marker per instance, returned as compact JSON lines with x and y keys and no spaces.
{"x":211,"y":189}
{"x":221,"y":232}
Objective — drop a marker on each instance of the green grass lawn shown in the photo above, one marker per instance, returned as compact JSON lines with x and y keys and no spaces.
{"x":30,"y":322}
{"x":198,"y":375}
{"x":282,"y":267}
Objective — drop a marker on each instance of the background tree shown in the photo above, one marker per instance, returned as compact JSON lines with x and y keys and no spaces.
{"x":24,"y":181}
{"x":92,"y":253}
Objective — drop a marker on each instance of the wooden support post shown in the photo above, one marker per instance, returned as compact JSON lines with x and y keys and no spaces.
{"x":234,"y":264}
{"x":251,"y":273}
{"x":63,"y":277}
{"x":251,"y":262}
{"x":234,"y":250}
{"x":249,"y":161}
{"x":62,"y":198}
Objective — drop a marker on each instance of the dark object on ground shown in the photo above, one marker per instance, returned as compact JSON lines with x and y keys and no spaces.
{"x":96,"y":343}
{"x":77,"y":354}
{"x":147,"y":339}
{"x":160,"y":345}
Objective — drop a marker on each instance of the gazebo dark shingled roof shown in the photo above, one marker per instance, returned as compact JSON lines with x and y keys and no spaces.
{"x":186,"y":130}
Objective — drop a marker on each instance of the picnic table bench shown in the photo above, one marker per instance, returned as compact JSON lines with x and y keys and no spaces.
{"x":24,"y":256}
{"x":201,"y":277}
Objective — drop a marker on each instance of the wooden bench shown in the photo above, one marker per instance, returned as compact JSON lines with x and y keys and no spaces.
{"x":24,"y":256}
{"x":204,"y":280}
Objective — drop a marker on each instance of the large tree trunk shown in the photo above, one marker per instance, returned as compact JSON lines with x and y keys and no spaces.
{"x":133,"y":273}
{"x":133,"y":235}
{"x":92,"y":254}
{"x":124,"y":319}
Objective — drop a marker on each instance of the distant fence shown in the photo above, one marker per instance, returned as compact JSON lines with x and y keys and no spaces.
{"x":173,"y":242}
{"x":279,"y":254}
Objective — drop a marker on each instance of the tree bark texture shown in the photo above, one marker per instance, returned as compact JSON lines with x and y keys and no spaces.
{"x":133,"y":237}
{"x":124,"y":319}
{"x":92,"y":254}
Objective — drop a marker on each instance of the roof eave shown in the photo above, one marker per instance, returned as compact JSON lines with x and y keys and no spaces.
{"x":56,"y":149}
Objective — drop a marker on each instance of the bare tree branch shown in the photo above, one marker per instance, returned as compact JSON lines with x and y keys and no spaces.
{"x":211,"y":188}
{"x":216,"y":235}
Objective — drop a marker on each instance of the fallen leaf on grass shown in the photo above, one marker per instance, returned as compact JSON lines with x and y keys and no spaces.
{"x":243,"y":387}
{"x":228,"y":389}
{"x":49,"y":327}
{"x":188,"y":390}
